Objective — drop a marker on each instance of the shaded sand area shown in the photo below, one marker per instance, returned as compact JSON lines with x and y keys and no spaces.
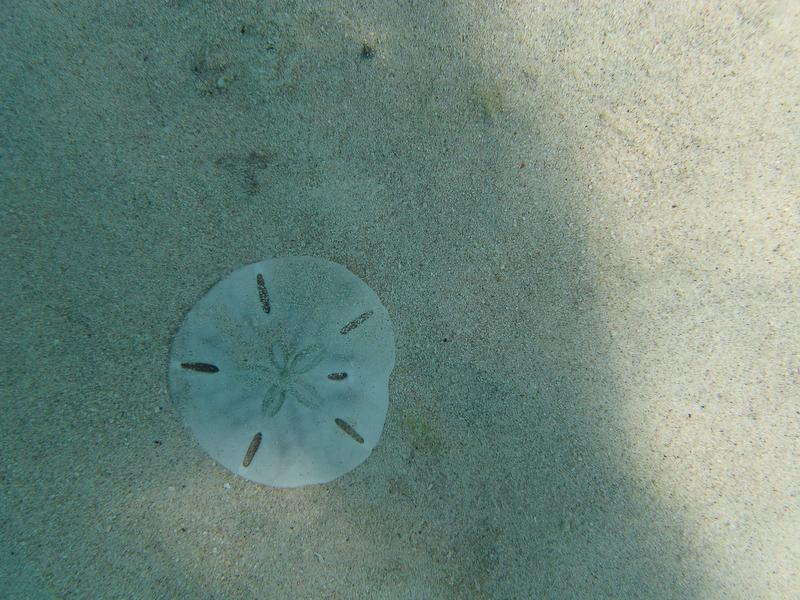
{"x":582,"y":219}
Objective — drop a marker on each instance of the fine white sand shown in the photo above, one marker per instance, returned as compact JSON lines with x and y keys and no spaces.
{"x":582,"y":217}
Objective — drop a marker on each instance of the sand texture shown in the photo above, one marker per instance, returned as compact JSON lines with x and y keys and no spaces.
{"x":583,"y":219}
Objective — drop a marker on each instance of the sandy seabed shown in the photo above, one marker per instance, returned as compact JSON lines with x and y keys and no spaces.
{"x":583,"y":219}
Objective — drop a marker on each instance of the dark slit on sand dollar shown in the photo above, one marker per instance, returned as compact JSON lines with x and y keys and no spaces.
{"x":263,"y":296}
{"x":200,"y":367}
{"x":355,"y":322}
{"x":252,"y":449}
{"x":348,"y":429}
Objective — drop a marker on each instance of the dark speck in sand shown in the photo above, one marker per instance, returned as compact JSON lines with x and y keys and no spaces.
{"x":367,"y":51}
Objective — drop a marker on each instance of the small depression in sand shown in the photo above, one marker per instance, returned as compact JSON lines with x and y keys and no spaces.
{"x":281,"y":371}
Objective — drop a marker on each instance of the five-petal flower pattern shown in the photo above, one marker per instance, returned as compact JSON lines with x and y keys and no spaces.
{"x":287,"y":374}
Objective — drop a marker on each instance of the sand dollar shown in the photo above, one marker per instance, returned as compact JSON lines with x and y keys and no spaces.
{"x":281,"y":371}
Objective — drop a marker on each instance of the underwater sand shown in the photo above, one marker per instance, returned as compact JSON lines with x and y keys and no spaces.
{"x":582,"y":219}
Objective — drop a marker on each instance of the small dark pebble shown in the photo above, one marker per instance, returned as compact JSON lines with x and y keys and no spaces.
{"x":367,"y":51}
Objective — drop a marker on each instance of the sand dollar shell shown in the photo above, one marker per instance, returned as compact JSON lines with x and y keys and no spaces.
{"x":296,"y":349}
